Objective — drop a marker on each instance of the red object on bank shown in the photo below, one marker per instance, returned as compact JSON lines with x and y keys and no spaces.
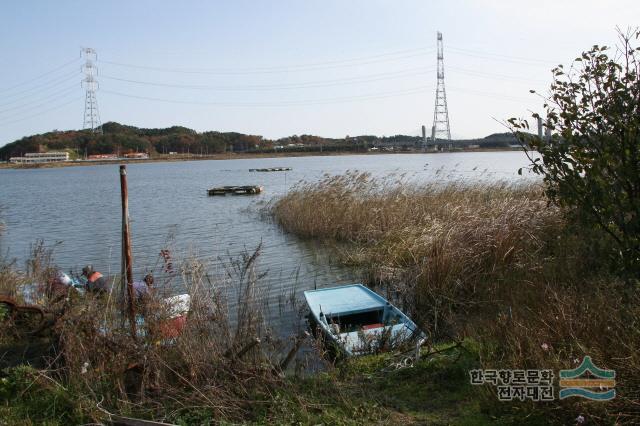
{"x":370,"y":326}
{"x":173,"y":327}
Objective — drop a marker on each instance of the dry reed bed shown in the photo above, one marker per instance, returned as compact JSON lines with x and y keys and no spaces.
{"x":494,"y":262}
{"x":438,"y":244}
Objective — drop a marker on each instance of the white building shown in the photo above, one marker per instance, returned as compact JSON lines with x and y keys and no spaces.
{"x":41,"y":157}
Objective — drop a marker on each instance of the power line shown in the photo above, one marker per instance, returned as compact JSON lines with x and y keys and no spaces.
{"x":306,"y":102}
{"x":43,"y":87}
{"x":6,"y":89}
{"x":43,"y":104}
{"x":52,"y":95}
{"x":40,"y":113}
{"x":304,"y":85}
{"x":339,"y":61}
{"x":515,"y":58}
{"x":501,"y":58}
{"x":490,"y":94}
{"x":385,"y":57}
{"x":325,"y":83}
{"x":314,"y":64}
{"x":493,"y":76}
{"x":273,"y":70}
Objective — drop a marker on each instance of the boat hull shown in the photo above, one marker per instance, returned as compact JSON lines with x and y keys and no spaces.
{"x":353,"y":320}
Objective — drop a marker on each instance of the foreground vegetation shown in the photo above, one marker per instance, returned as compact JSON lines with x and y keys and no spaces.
{"x":86,"y":368}
{"x":90,"y":364}
{"x":360,"y":392}
{"x":497,"y":264}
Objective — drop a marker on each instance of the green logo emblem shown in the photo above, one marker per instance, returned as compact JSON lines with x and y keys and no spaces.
{"x":577,"y":382}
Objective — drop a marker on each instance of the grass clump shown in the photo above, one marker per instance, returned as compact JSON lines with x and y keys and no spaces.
{"x":30,"y":397}
{"x":371,"y":390}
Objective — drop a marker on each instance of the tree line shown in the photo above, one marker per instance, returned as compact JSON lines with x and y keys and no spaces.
{"x":120,"y":139}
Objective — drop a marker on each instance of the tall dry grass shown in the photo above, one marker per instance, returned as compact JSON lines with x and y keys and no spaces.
{"x":222,"y":362}
{"x":223,"y":365}
{"x":436,"y":244}
{"x":496,"y":263}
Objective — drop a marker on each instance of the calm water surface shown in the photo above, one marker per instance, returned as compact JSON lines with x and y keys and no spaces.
{"x":78,"y":210}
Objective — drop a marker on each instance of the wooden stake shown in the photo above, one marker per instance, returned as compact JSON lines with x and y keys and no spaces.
{"x":126,"y":250}
{"x":296,"y":345}
{"x":229,"y":353}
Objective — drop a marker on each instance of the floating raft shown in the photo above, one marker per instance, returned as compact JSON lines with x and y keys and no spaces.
{"x":272,"y":169}
{"x":235,"y":190}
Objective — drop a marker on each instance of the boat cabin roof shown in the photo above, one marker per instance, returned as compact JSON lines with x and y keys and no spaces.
{"x":348,"y":299}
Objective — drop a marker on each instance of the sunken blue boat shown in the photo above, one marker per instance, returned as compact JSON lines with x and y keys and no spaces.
{"x":359,"y":321}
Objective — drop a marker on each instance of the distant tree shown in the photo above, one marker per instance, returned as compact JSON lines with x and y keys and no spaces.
{"x":213,"y":142}
{"x":591,"y":164}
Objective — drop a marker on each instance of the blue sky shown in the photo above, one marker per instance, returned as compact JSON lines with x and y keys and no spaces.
{"x":277,"y":68}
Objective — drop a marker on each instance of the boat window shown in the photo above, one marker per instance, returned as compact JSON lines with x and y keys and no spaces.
{"x":355,"y":322}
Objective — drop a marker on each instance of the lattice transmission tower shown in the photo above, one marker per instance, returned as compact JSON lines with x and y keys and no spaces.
{"x":440,"y":129}
{"x":90,"y":84}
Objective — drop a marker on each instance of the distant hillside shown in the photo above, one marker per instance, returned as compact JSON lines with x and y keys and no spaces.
{"x":118,"y":138}
{"x":121,"y":139}
{"x":496,"y":140}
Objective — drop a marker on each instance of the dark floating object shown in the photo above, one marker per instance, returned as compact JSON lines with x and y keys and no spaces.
{"x":235,"y":190}
{"x":272,"y":169}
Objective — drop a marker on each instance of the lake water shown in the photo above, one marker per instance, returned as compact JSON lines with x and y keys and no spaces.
{"x":78,"y":210}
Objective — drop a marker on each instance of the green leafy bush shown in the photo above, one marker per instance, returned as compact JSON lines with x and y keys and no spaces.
{"x":591,"y":164}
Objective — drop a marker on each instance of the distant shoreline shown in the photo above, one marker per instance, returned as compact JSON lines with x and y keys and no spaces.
{"x":231,"y":156}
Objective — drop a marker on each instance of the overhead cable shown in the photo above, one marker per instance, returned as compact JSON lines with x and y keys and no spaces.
{"x":41,"y":112}
{"x":305,"y":102}
{"x":6,"y":89}
{"x":50,"y":84}
{"x":64,"y":91}
{"x":273,"y":70}
{"x":303,"y":85}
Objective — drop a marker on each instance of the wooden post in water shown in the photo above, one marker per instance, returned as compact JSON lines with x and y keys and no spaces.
{"x":296,"y":346}
{"x":126,"y":250}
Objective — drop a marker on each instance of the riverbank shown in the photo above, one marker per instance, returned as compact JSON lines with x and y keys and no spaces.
{"x":86,"y":368}
{"x":363,"y":391}
{"x":229,"y":156}
{"x":496,"y":276}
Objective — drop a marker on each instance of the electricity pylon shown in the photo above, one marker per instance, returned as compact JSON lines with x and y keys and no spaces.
{"x":440,"y":129}
{"x":90,"y":84}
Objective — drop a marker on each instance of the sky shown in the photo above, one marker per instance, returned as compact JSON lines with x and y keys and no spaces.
{"x":282,"y":67}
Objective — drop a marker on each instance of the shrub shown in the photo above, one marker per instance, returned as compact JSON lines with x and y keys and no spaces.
{"x":591,"y":165}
